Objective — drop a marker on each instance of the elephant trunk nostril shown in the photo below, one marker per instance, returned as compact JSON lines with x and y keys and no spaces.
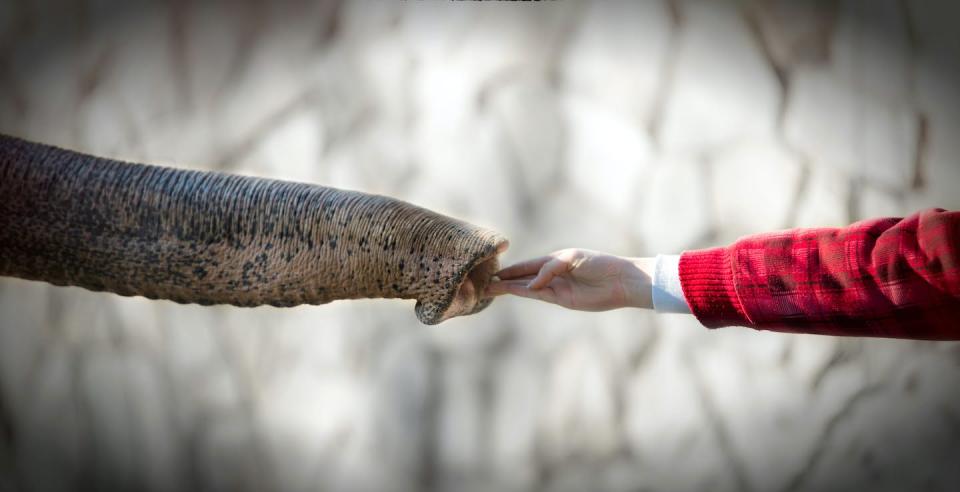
{"x":469,"y":295}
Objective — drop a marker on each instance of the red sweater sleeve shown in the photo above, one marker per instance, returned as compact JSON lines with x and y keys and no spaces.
{"x":888,"y":277}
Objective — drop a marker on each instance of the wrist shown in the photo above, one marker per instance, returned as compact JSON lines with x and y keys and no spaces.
{"x":637,"y":282}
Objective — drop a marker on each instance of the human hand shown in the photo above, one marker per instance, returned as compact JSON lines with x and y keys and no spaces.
{"x":579,"y":279}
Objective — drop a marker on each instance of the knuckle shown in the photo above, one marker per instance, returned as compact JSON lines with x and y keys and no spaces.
{"x":573,"y":254}
{"x":563,"y":253}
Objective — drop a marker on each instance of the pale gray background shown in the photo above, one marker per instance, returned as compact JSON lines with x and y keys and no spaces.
{"x":634,"y":128}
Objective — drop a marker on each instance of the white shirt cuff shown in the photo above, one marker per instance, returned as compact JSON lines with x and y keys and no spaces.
{"x":667,"y":292}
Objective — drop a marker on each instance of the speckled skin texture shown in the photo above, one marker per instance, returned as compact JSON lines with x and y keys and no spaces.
{"x":209,"y":238}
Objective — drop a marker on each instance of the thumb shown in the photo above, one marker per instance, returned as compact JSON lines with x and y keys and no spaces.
{"x":551,"y":269}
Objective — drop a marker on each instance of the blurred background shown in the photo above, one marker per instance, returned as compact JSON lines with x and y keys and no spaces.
{"x":635,"y":128}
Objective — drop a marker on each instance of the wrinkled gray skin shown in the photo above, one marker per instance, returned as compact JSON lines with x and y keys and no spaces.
{"x":209,"y":238}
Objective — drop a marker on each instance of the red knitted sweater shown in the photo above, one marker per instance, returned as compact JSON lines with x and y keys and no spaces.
{"x":888,"y":277}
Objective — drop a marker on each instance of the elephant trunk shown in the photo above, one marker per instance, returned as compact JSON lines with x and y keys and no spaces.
{"x":209,"y":238}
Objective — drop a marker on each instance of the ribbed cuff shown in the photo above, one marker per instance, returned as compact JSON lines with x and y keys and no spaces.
{"x":707,"y":279}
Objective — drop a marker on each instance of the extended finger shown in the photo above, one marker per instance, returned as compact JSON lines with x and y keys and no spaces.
{"x":501,"y":287}
{"x":519,"y":288}
{"x":528,"y":267}
{"x":551,"y":269}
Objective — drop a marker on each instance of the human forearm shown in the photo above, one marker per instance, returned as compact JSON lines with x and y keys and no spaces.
{"x":636,"y":282}
{"x":888,"y":277}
